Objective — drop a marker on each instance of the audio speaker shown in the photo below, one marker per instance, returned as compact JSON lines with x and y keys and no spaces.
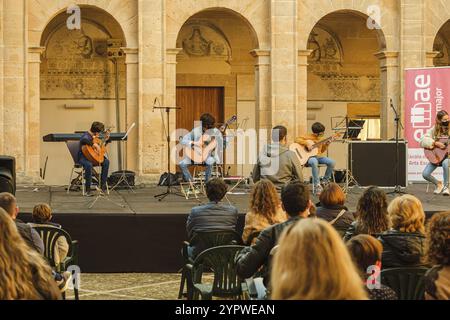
{"x":373,"y":163}
{"x":8,"y":174}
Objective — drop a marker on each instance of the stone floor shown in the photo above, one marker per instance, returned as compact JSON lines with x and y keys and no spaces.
{"x":128,"y":286}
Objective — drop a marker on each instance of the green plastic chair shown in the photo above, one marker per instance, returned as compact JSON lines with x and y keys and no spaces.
{"x":221,"y":261}
{"x":206,"y":239}
{"x":50,"y":236}
{"x":407,"y":282}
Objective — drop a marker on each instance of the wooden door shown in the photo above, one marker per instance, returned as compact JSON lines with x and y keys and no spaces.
{"x":194,"y":101}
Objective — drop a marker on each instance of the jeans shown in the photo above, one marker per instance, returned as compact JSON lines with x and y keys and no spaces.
{"x":87,"y":165}
{"x":185,"y":163}
{"x":430,"y":168}
{"x":314,"y":162}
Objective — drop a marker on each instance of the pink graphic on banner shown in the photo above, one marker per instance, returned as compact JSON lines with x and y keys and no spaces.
{"x":427,"y":91}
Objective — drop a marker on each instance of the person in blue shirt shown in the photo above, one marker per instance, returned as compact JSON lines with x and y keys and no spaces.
{"x":88,"y":139}
{"x":194,"y":138}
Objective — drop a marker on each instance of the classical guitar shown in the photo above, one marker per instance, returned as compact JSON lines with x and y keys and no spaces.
{"x":199,"y":152}
{"x":437,"y":155}
{"x":94,"y":156}
{"x":304,"y":154}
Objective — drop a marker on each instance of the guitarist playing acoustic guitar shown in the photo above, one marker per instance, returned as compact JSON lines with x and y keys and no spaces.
{"x":318,"y":130}
{"x":88,"y":139}
{"x":436,"y":145}
{"x":198,"y":138}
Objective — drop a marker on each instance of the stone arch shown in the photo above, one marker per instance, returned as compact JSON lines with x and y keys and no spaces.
{"x":441,"y":46}
{"x":437,"y":15}
{"x":177,"y":19}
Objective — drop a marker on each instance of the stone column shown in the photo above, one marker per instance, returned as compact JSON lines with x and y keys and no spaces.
{"x":170,"y":94}
{"x":263,"y":107}
{"x":132,"y":109}
{"x":302,"y":92}
{"x":430,"y":55}
{"x":32,"y":115}
{"x":390,"y":89}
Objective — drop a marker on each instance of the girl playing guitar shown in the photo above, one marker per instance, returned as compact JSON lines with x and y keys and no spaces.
{"x":433,"y":140}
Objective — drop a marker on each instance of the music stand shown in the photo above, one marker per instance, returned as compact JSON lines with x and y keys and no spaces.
{"x":169,"y":191}
{"x":123,"y":176}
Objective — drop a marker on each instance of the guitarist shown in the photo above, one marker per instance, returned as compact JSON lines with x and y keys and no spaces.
{"x":318,"y":131}
{"x":431,"y":140}
{"x":87,"y":139}
{"x":195,"y":138}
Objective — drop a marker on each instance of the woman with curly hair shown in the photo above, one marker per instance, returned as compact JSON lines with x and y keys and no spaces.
{"x":24,"y":273}
{"x":404,"y":244}
{"x":437,"y":248}
{"x":371,"y":214}
{"x":265,"y":210}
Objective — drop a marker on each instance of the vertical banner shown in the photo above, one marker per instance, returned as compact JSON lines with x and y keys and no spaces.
{"x":427,"y":91}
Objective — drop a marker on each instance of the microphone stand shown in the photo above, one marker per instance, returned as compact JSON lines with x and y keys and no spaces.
{"x":398,"y":124}
{"x":169,"y":191}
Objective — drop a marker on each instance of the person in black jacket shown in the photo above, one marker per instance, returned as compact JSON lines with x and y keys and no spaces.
{"x":371,"y":214}
{"x":295,"y":198}
{"x":214,"y":216}
{"x":332,"y":209}
{"x":404,"y":245}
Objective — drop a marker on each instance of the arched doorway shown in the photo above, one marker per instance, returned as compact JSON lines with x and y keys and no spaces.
{"x":344,"y":76}
{"x":78,"y":85}
{"x":442,"y":46}
{"x":216,"y":71}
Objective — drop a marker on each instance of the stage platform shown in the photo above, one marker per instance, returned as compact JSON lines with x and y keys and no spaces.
{"x":145,"y":235}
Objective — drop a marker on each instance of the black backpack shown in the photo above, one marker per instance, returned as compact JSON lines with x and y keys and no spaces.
{"x":174,"y":178}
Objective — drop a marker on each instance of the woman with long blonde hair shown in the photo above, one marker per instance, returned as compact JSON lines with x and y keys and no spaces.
{"x":23,"y":272}
{"x":404,"y":244}
{"x":312,"y":263}
{"x":265,"y":210}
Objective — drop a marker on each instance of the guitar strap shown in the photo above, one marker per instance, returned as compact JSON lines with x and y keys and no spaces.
{"x":340,"y":214}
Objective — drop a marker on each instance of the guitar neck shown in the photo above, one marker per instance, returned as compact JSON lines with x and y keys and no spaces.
{"x":318,"y":144}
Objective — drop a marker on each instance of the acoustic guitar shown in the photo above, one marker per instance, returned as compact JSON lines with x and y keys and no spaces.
{"x":201,"y":151}
{"x":437,"y":155}
{"x":304,"y":154}
{"x":94,"y":156}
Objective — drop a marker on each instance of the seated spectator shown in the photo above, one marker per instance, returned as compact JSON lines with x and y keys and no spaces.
{"x":24,"y":273}
{"x":366,"y":252}
{"x":265,"y":210}
{"x":404,"y":245}
{"x":296,"y":202}
{"x":214,"y":216}
{"x":312,"y":263}
{"x":332,"y":208}
{"x":42,"y":216}
{"x":9,"y":203}
{"x":437,"y":245}
{"x":371,"y":214}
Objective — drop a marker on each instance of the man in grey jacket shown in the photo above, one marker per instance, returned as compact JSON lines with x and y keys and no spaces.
{"x":277,"y":163}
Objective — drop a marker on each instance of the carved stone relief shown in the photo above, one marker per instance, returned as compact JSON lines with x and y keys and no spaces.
{"x":75,"y":65}
{"x":443,"y":47}
{"x":201,"y":39}
{"x":327,"y":54}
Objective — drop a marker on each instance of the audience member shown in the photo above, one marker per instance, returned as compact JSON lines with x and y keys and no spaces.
{"x":404,"y":244}
{"x":295,"y":198}
{"x":24,"y":273}
{"x":332,"y":208}
{"x":42,"y":216}
{"x":366,"y":252}
{"x":371,"y":214}
{"x":214,"y":216}
{"x":9,"y":203}
{"x":437,"y":248}
{"x":312,"y":263}
{"x":265,"y":210}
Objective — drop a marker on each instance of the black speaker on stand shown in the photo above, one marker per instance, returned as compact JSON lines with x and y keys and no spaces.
{"x":8,"y":174}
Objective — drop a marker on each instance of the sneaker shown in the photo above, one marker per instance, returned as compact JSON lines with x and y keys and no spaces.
{"x":439,"y":189}
{"x":63,"y":284}
{"x":446,"y":191}
{"x":317,"y":189}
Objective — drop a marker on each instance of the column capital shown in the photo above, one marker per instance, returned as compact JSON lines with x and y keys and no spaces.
{"x":386,"y":54}
{"x":388,"y":59}
{"x":171,"y":54}
{"x":430,"y":57}
{"x":34,"y":54}
{"x":262,"y":56}
{"x":131,"y":55}
{"x":304,"y":53}
{"x":303,"y":56}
